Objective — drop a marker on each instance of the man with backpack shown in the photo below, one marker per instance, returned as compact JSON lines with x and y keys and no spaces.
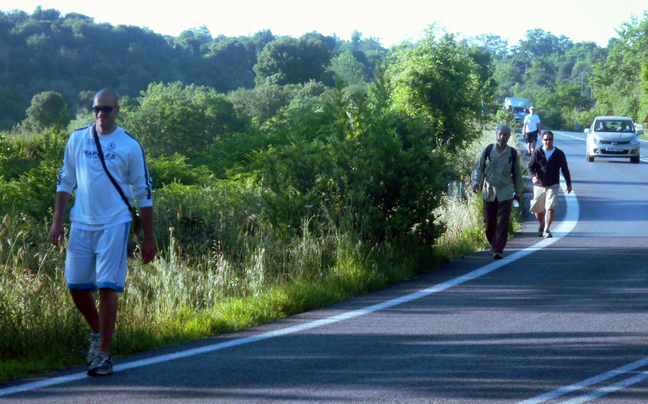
{"x":499,"y":175}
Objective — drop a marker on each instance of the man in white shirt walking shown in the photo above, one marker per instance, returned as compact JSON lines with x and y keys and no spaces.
{"x":531,"y":129}
{"x":100,"y":220}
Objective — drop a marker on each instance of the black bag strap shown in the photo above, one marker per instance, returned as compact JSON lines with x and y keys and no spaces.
{"x":103,"y":163}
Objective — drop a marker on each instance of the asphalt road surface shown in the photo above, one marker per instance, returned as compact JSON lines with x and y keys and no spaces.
{"x":560,"y":320}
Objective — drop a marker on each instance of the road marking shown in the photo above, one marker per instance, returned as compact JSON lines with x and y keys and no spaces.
{"x":609,"y":389}
{"x":566,"y":226}
{"x":592,"y":381}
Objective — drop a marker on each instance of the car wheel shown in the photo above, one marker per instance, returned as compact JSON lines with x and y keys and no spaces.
{"x":590,"y":159}
{"x":634,"y":159}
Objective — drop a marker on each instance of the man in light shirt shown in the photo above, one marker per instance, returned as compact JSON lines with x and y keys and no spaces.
{"x":100,"y":220}
{"x":531,"y":129}
{"x":497,"y":173}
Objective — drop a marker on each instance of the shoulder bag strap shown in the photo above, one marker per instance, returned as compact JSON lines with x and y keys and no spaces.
{"x":103,"y":163}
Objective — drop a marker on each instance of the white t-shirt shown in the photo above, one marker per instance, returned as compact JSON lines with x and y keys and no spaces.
{"x":97,"y":203}
{"x":548,"y":153}
{"x":532,"y":121}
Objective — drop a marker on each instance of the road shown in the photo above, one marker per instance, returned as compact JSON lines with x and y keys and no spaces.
{"x":562,"y":320}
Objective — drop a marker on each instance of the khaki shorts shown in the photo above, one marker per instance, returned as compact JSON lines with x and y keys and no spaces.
{"x":544,"y":198}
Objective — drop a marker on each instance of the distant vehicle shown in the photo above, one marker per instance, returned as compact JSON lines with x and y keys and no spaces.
{"x":613,"y":137}
{"x":516,"y":106}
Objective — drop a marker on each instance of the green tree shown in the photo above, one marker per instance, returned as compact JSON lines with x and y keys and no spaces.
{"x":439,"y":81}
{"x":173,"y":118}
{"x":348,"y":68}
{"x":621,"y":83}
{"x":293,"y":61}
{"x":359,"y":161}
{"x":47,"y":108}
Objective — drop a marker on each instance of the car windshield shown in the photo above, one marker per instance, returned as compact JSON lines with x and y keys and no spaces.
{"x":614,"y":125}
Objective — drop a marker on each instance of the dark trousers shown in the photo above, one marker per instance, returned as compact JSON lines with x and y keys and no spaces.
{"x":497,"y":216}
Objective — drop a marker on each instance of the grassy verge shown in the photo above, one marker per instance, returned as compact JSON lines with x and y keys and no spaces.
{"x":174,"y":301}
{"x":183,"y":297}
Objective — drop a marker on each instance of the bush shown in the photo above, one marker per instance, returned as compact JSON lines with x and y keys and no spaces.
{"x":355,"y":159}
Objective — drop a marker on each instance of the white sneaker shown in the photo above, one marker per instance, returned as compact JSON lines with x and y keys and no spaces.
{"x":101,"y":365}
{"x":94,"y":347}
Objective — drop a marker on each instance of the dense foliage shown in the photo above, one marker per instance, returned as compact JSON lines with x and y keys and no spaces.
{"x":620,"y":83}
{"x":72,"y":55}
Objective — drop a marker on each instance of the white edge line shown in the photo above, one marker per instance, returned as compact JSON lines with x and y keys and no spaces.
{"x":586,"y":383}
{"x":609,"y":389}
{"x":565,"y":227}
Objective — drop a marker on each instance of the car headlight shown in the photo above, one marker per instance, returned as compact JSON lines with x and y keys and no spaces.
{"x":596,"y":140}
{"x":634,"y":141}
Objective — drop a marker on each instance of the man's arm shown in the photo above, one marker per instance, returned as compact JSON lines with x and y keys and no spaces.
{"x":565,"y":172}
{"x":518,"y":181}
{"x":57,"y":231}
{"x":477,"y":174}
{"x":148,"y":245}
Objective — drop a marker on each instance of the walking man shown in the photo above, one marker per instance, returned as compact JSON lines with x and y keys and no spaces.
{"x":531,"y":129}
{"x":545,"y":166}
{"x":100,"y":220}
{"x":499,"y":171}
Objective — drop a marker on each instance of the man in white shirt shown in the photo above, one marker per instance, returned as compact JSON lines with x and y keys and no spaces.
{"x":531,"y":129}
{"x":100,"y":220}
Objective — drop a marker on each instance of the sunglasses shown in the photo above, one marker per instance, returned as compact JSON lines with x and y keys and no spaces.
{"x":105,"y":109}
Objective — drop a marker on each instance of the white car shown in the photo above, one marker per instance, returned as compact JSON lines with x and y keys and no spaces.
{"x":613,"y":137}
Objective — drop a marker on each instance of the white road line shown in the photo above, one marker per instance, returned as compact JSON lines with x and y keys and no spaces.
{"x":592,"y":381}
{"x":609,"y":389}
{"x":566,"y":226}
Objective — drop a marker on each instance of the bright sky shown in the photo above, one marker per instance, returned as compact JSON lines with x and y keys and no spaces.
{"x":392,"y":22}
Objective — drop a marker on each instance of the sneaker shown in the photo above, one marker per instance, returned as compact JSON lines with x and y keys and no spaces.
{"x":498,"y":256}
{"x":94,"y":347}
{"x":547,"y":234}
{"x":101,"y":365}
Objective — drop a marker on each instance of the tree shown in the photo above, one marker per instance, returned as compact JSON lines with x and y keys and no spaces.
{"x":173,"y":118}
{"x":621,"y":83}
{"x":47,"y":109}
{"x":539,"y":42}
{"x":292,"y":61}
{"x":359,"y":161}
{"x":438,"y":80}
{"x":348,"y":68}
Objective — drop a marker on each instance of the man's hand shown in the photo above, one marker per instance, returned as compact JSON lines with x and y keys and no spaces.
{"x":475,"y":188}
{"x":57,"y":231}
{"x":535,"y":180}
{"x":569,"y":189}
{"x":57,"y":234}
{"x":148,"y":250}
{"x":148,"y":245}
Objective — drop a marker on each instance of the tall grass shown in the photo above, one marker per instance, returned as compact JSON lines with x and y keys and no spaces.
{"x":231,"y":270}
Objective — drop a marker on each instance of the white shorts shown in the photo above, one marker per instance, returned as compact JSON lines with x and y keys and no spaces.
{"x":544,"y":198}
{"x":97,"y":259}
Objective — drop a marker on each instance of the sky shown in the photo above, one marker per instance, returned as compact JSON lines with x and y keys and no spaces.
{"x":392,"y":22}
